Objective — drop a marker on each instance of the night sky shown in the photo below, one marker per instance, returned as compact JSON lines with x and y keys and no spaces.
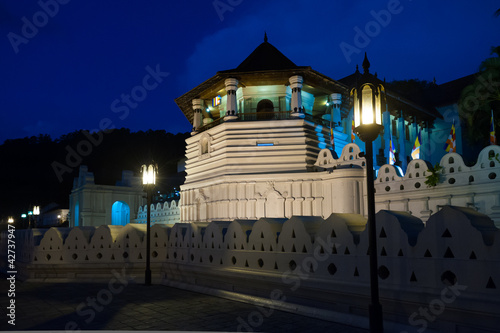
{"x":76,"y":69}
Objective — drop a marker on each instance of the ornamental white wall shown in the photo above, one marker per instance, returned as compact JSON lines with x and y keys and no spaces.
{"x":161,"y":213}
{"x":477,"y":187}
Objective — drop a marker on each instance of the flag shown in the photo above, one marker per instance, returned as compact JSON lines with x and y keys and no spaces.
{"x":451,"y":145}
{"x":331,"y":136}
{"x":392,"y":155}
{"x":493,"y":138}
{"x":415,"y":152}
{"x":352,"y":132}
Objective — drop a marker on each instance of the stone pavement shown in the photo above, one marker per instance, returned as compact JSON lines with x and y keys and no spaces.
{"x":125,"y":305}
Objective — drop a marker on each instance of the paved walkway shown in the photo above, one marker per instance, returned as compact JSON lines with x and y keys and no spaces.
{"x":130,"y":306}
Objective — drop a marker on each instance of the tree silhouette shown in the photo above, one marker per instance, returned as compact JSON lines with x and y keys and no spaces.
{"x":480,"y":97}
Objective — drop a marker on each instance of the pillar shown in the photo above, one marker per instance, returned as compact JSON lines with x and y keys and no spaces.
{"x":197,"y":108}
{"x":336,"y":100}
{"x":231,"y":106}
{"x":296,"y":86}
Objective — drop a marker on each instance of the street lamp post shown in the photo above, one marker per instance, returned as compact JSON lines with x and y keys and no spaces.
{"x":36,"y":213}
{"x":368,"y":96}
{"x":148,"y":180}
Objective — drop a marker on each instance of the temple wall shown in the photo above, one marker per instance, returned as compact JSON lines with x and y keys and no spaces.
{"x":313,"y":261}
{"x":477,"y":186}
{"x":276,"y":196}
{"x":161,"y":213}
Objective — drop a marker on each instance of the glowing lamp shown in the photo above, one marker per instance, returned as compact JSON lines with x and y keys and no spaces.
{"x":368,"y":99}
{"x":10,"y":220}
{"x":149,"y":174}
{"x":36,"y":210}
{"x":23,"y":216}
{"x":30,"y":212}
{"x":368,"y":96}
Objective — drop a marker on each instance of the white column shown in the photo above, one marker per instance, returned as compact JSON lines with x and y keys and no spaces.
{"x":197,"y":107}
{"x":336,"y":99}
{"x":296,"y":86}
{"x":231,"y":106}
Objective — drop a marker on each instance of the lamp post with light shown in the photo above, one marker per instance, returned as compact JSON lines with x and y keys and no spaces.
{"x":369,"y":96}
{"x":30,"y":214}
{"x":148,"y":180}
{"x":36,"y":213}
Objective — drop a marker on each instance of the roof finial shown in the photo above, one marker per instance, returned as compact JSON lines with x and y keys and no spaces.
{"x":366,"y":65}
{"x":357,"y":68}
{"x":265,"y":37}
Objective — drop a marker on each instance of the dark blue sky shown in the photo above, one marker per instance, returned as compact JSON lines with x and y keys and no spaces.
{"x":76,"y":70}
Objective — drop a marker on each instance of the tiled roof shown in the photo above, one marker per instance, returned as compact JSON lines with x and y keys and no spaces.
{"x":264,"y":57}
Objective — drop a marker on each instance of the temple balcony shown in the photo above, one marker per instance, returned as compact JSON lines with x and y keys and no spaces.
{"x":261,"y":116}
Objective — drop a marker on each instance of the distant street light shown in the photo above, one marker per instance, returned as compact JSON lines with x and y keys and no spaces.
{"x":23,"y":221}
{"x":369,"y":96}
{"x":149,"y":173}
{"x":30,"y":214}
{"x":10,"y":220}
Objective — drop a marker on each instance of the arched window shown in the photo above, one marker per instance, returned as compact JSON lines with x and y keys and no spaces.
{"x":120,"y":213}
{"x":204,"y":146}
{"x":265,"y":110}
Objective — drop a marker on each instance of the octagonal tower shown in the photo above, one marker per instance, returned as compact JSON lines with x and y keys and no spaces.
{"x":257,"y":131}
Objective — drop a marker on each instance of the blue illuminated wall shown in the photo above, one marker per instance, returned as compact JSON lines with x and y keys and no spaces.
{"x":77,"y":214}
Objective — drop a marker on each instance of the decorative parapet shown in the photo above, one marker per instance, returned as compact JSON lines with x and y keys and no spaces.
{"x":161,"y":213}
{"x":454,"y":172}
{"x":459,"y":185}
{"x":400,"y":235}
{"x":325,"y":258}
{"x":350,"y":156}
